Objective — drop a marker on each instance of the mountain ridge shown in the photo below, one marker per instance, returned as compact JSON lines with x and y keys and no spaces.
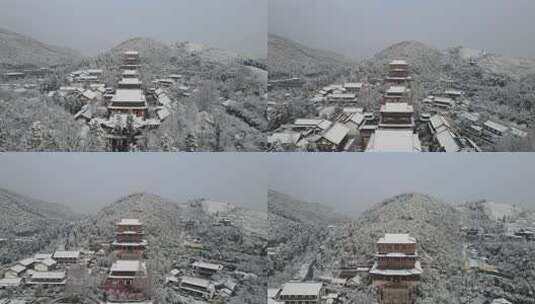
{"x":21,"y":50}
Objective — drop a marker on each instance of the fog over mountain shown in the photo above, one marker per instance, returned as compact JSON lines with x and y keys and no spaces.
{"x":95,"y":26}
{"x":87,"y":182}
{"x":352,"y":184}
{"x":359,"y":29}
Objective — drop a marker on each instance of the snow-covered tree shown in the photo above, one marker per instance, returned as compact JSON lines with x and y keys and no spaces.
{"x":191,"y":143}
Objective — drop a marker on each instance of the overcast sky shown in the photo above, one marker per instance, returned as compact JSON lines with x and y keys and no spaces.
{"x":89,"y":181}
{"x":361,"y":28}
{"x":97,"y":25}
{"x":353,"y":182}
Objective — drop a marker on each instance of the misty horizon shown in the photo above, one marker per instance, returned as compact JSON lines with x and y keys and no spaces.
{"x":351,"y":184}
{"x":97,"y":26}
{"x":358,"y":30}
{"x":73,"y":180}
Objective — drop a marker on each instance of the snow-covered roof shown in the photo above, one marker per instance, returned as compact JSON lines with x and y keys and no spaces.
{"x":131,"y":53}
{"x":94,"y":71}
{"x":301,"y":289}
{"x":211,"y":266}
{"x":127,"y":266}
{"x":163,"y":99}
{"x":397,"y":107}
{"x":396,"y":90}
{"x":89,"y":94}
{"x":10,"y":282}
{"x":130,"y":222}
{"x":48,"y":262}
{"x":417,"y":270}
{"x":162,"y":113}
{"x":166,"y":80}
{"x":355,"y":85}
{"x":500,"y":301}
{"x":129,"y":73}
{"x":52,"y":275}
{"x":320,"y":123}
{"x":130,"y":81}
{"x":128,"y":95}
{"x":273,"y":292}
{"x":394,"y":141}
{"x":438,"y":121}
{"x":496,"y":126}
{"x":130,"y":244}
{"x":398,"y":62}
{"x":357,"y":118}
{"x":444,"y":100}
{"x":453,"y":92}
{"x":195,"y":281}
{"x":284,"y":137}
{"x":26,"y":262}
{"x":336,"y":133}
{"x":447,"y":141}
{"x":395,"y":255}
{"x":518,"y":132}
{"x":66,"y":254}
{"x":17,"y":268}
{"x":343,"y":96}
{"x":42,"y":256}
{"x":397,"y":238}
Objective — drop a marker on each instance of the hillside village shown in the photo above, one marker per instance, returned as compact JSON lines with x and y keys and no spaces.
{"x":392,"y":104}
{"x":142,"y":95}
{"x":199,"y":252}
{"x":471,"y":253}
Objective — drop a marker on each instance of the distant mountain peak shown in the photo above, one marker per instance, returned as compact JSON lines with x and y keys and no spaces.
{"x":19,"y":50}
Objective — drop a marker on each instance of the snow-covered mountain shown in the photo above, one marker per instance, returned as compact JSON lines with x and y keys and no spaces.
{"x":26,"y":216}
{"x":287,"y":58}
{"x":17,"y":50}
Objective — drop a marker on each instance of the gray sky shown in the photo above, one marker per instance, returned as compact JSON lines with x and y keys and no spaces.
{"x":89,"y":181}
{"x":359,"y":29}
{"x":97,"y":25}
{"x":353,"y":182}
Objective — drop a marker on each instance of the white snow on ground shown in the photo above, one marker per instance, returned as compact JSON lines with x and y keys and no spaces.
{"x":259,"y":74}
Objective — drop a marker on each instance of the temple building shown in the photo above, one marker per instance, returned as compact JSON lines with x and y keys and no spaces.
{"x":397,"y":115}
{"x":206,"y":269}
{"x":197,"y":287}
{"x":127,"y":275}
{"x":129,"y":83}
{"x":130,"y":60}
{"x":398,"y":73}
{"x":47,"y":278}
{"x":301,"y":293}
{"x":396,"y":270}
{"x":66,"y":257}
{"x":129,"y":242}
{"x":397,"y":94}
{"x":127,"y":101}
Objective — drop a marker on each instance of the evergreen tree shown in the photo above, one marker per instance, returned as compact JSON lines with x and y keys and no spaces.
{"x":37,"y":136}
{"x":166,"y":143}
{"x":130,"y":130}
{"x":191,"y":143}
{"x":96,"y":140}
